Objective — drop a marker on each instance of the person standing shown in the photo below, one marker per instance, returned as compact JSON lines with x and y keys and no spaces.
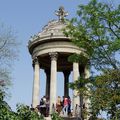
{"x":65,"y":108}
{"x":59,"y":105}
{"x":69,"y":105}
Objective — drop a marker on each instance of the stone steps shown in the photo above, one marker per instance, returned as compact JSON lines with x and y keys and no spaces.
{"x":65,"y":118}
{"x":47,"y":118}
{"x":71,"y":118}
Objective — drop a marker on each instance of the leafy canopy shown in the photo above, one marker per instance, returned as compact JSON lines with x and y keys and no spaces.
{"x":96,"y":31}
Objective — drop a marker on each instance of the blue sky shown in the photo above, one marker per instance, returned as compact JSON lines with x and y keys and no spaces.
{"x":27,"y":17}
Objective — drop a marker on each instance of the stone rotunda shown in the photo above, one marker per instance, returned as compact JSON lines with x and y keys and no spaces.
{"x":50,"y":50}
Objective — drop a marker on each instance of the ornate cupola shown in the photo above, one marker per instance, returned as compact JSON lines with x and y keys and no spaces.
{"x":50,"y":50}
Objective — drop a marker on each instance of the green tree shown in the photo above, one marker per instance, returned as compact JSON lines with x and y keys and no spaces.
{"x":25,"y":113}
{"x":8,"y":53}
{"x":55,"y":116}
{"x":5,"y":111}
{"x":96,"y":30}
{"x":107,"y":94}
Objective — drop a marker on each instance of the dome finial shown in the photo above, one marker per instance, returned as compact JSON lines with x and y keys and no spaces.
{"x":61,"y":13}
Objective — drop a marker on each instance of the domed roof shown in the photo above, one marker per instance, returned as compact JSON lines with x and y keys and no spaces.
{"x":54,"y":28}
{"x":51,"y":39}
{"x":53,"y":31}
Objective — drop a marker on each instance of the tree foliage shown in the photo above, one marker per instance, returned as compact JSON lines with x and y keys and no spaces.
{"x":96,"y":31}
{"x":8,"y":45}
{"x":23,"y":112}
{"x":5,"y":111}
{"x":8,"y":52}
{"x":55,"y":116}
{"x":107,"y":94}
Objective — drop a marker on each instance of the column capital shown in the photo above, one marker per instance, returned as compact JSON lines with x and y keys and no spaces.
{"x":53,"y":55}
{"x":35,"y":60}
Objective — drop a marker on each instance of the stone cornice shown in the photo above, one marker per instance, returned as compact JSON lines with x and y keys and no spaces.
{"x":41,"y":40}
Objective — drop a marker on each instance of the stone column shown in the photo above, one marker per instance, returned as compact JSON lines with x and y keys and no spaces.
{"x":87,"y":71}
{"x":87,"y":100}
{"x":76,"y":98}
{"x":53,"y":81}
{"x":66,"y":81}
{"x":47,"y":71}
{"x":36,"y":84}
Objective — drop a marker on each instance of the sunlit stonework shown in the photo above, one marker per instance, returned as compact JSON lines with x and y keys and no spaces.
{"x":51,"y":42}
